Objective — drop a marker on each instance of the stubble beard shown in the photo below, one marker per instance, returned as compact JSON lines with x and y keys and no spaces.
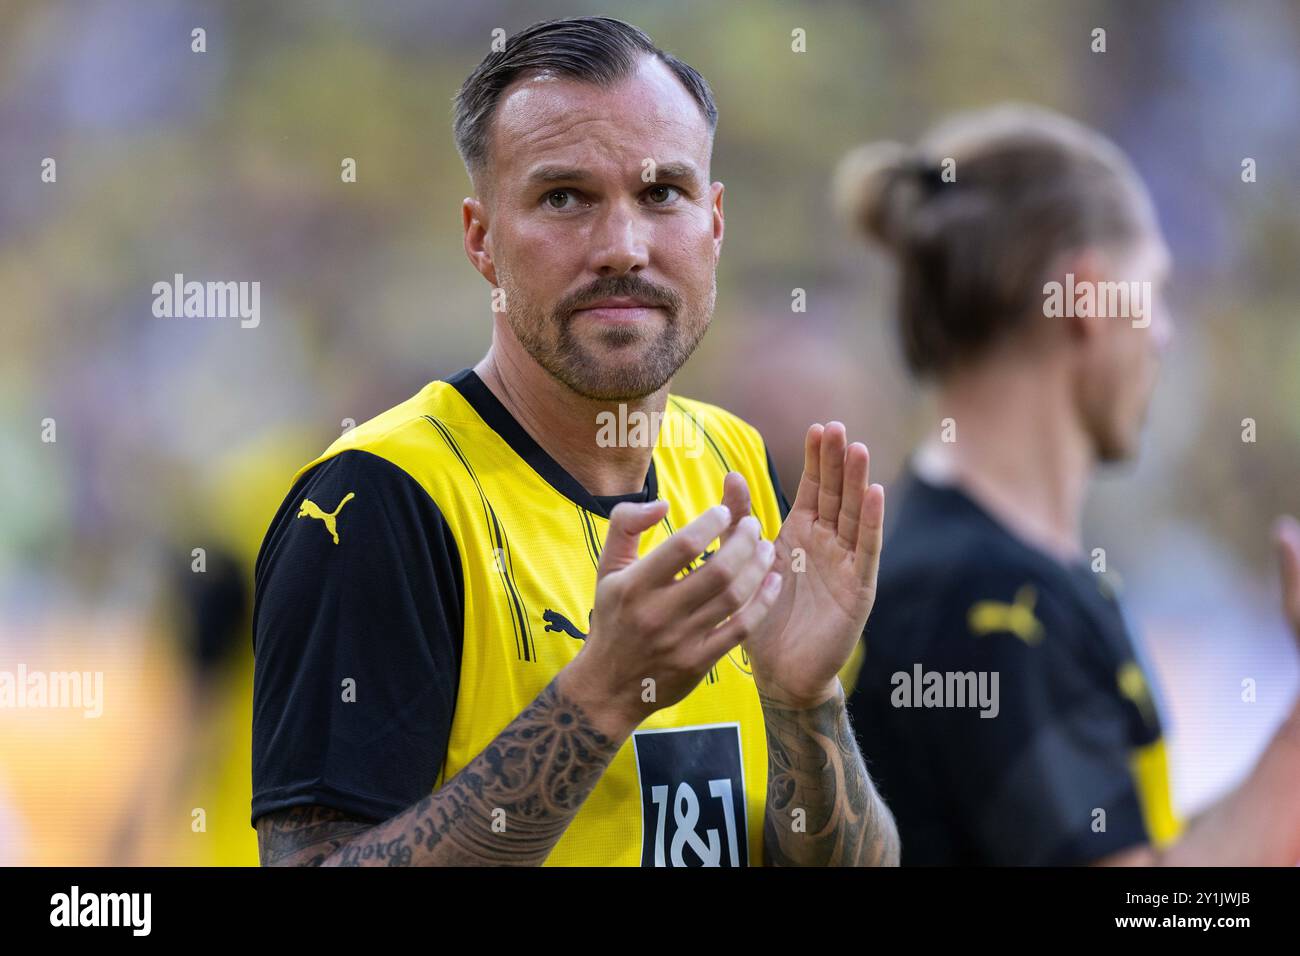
{"x":567,"y":359}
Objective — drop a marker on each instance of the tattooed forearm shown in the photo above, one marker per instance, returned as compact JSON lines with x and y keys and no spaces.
{"x":814,"y":766}
{"x":304,"y":836}
{"x":507,"y":807}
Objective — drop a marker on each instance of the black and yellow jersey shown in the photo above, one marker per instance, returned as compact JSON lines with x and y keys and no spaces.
{"x":1001,"y":704}
{"x":433,"y":571}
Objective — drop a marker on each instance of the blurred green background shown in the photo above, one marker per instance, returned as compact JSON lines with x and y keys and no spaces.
{"x":175,"y":434}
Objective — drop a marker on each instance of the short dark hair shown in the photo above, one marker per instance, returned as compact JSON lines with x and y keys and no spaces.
{"x":598,"y":50}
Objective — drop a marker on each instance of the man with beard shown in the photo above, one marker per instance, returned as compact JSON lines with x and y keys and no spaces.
{"x":485,"y":634}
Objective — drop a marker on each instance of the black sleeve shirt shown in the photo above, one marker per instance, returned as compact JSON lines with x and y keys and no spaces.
{"x":356,"y":649}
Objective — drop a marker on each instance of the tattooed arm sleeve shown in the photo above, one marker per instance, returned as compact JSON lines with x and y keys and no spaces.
{"x":822,"y":809}
{"x":508,"y":807}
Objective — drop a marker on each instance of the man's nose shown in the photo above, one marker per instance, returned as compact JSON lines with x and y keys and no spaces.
{"x":619,"y":243}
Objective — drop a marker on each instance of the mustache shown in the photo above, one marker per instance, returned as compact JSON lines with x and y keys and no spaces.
{"x":627,"y":285}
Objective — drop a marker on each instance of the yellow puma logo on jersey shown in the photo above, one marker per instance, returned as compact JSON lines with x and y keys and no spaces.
{"x":1132,"y":683}
{"x":309,"y":509}
{"x":991,"y":617}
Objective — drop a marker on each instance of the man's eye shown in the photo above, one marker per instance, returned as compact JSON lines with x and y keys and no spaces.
{"x":661,"y":195}
{"x":558,"y":198}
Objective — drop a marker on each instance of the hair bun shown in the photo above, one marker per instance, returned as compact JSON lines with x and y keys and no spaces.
{"x":876,"y":188}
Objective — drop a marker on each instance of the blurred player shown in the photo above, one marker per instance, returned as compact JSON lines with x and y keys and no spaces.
{"x":985,"y":575}
{"x":198,"y":758}
{"x":477,"y":640}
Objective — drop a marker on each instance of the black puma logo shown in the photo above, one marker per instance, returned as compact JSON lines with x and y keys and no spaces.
{"x":555,"y":621}
{"x":699,"y":562}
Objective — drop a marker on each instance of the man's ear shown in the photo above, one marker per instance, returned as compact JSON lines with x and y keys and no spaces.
{"x":478,"y":246}
{"x":1088,"y":269}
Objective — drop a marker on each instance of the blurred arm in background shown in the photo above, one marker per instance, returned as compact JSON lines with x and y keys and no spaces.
{"x":1258,"y":823}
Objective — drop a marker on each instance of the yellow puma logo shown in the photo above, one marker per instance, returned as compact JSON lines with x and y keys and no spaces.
{"x":1132,"y":683}
{"x":990,"y":617}
{"x":310,"y":509}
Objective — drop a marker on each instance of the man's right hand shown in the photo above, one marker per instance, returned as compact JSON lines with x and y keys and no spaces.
{"x":653,"y":635}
